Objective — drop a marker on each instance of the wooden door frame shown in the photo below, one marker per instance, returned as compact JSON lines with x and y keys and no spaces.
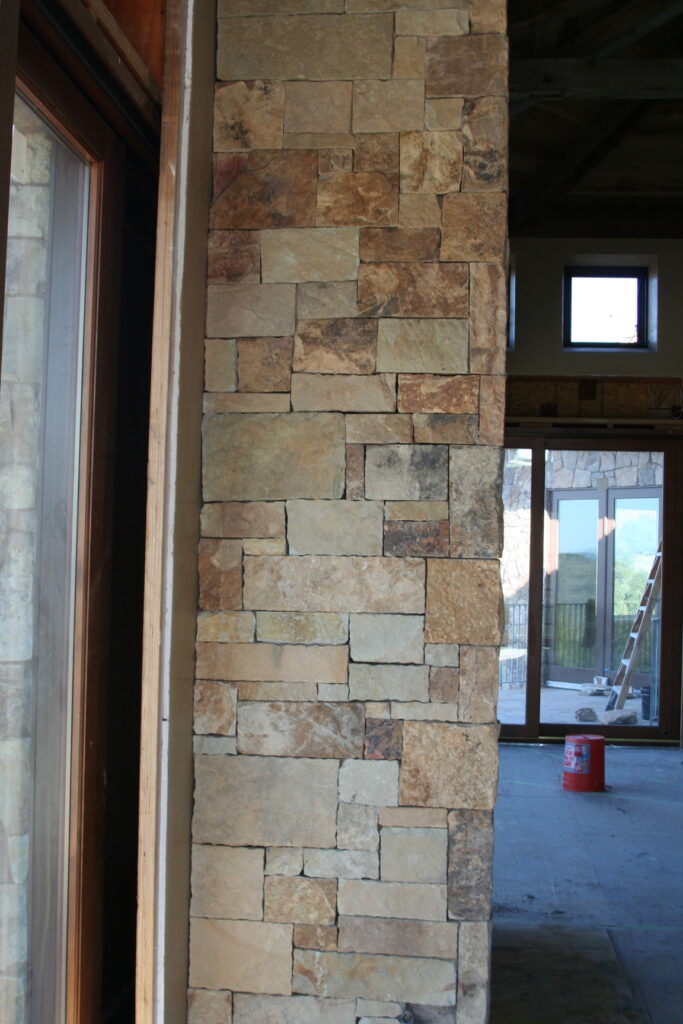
{"x":592,"y":439}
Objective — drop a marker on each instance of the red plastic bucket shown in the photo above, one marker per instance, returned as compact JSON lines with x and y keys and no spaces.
{"x":584,"y":764}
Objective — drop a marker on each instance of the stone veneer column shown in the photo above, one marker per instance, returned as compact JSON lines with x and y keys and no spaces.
{"x":349,"y":582}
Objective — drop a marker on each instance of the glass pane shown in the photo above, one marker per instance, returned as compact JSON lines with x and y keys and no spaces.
{"x":39,"y":403}
{"x":512,"y":673}
{"x":604,"y":310}
{"x":576,"y":582}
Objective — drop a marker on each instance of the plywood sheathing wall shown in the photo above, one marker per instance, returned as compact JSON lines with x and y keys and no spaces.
{"x":350,"y":604}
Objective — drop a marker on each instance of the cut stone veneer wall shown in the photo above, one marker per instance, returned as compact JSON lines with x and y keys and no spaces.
{"x":350,"y":608}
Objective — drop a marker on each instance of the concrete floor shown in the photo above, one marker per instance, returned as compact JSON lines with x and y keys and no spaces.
{"x":588,"y":890}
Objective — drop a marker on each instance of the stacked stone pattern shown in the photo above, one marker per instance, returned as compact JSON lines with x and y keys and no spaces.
{"x":350,"y":610}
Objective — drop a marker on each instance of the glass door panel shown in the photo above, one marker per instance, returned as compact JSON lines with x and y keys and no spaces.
{"x":40,"y":393}
{"x":513,"y":665}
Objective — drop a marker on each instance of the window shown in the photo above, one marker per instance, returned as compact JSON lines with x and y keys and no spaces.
{"x":606,"y":306}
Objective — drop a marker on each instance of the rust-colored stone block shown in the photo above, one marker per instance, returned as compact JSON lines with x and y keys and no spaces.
{"x":435,"y":393}
{"x":265,"y":189}
{"x":243,"y":519}
{"x":406,"y":539}
{"x":220,"y":574}
{"x":488,"y":318}
{"x":446,"y":428}
{"x":355,"y":472}
{"x":470,"y":864}
{"x":399,"y":245}
{"x":474,"y":227}
{"x":234,"y":256}
{"x":413,"y":289}
{"x":301,"y":729}
{"x":488,"y":16}
{"x":376,"y":153}
{"x":335,"y":346}
{"x":431,"y":162}
{"x":300,"y":900}
{"x":478,"y":684}
{"x":491,"y":410}
{"x":464,"y":602}
{"x":467,"y":66}
{"x":449,"y":765}
{"x":383,"y":739}
{"x":444,"y":685}
{"x":361,"y":197}
{"x":264,"y":364}
{"x":315,"y":936}
{"x":215,"y":708}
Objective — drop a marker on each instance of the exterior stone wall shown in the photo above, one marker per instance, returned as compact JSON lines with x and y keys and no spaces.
{"x":350,"y":603}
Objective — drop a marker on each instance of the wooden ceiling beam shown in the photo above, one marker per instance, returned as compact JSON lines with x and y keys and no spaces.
{"x":554,"y":16}
{"x":604,"y":134}
{"x":574,"y":78}
{"x":634,"y":21}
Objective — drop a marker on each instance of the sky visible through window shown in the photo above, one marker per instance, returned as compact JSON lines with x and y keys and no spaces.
{"x":604,"y":310}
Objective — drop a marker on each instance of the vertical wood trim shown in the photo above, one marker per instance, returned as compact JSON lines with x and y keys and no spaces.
{"x":536,"y":579}
{"x":157,"y":520}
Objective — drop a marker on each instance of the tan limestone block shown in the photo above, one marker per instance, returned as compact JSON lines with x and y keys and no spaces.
{"x":474,"y":965}
{"x":423,"y":346}
{"x":264,"y":189}
{"x":444,"y":115}
{"x":227,"y":882}
{"x":357,"y":827}
{"x":302,"y":627}
{"x":431,"y":162}
{"x":448,"y":765}
{"x":328,"y":583}
{"x":215,"y":708}
{"x":444,"y":685}
{"x":446,"y":428}
{"x":315,"y":936}
{"x":355,"y":472}
{"x":283,"y":860}
{"x":265,"y":801}
{"x":388,"y":106}
{"x":388,"y":682}
{"x":488,"y":318}
{"x":248,"y":955}
{"x":378,"y":428}
{"x":464,"y":602}
{"x":229,"y":8}
{"x":470,"y":864}
{"x":322,"y":48}
{"x":369,"y":782}
{"x":215,"y":745}
{"x":376,"y":152}
{"x":413,"y":289}
{"x":264,"y":546}
{"x":488,"y":16}
{"x":248,"y":115}
{"x":334,"y":527}
{"x":358,"y":197}
{"x":321,"y":300}
{"x":442,"y":655}
{"x":380,"y":245}
{"x":243,"y":519}
{"x":397,"y":5}
{"x":413,"y":855}
{"x":310,"y":254}
{"x":432,"y":23}
{"x":474,"y":65}
{"x":413,"y":817}
{"x":205,"y":1007}
{"x":272,"y":663}
{"x":264,"y":364}
{"x":492,"y":410}
{"x":234,"y":256}
{"x":220,"y":574}
{"x":400,"y":938}
{"x":250,"y":310}
{"x":397,"y":639}
{"x":409,"y":57}
{"x":418,"y":712}
{"x":485,"y":131}
{"x":406,"y":979}
{"x":406,"y":471}
{"x":476,"y":508}
{"x":277,"y":691}
{"x":301,"y":729}
{"x":319,"y":140}
{"x":419,"y":211}
{"x":295,"y":1009}
{"x":318,"y":106}
{"x":478,"y":684}
{"x":335,"y":346}
{"x":377,"y":1008}
{"x":341,"y":864}
{"x":333,"y":692}
{"x":266,"y":456}
{"x":220,"y":365}
{"x":312,"y":392}
{"x":226,"y":627}
{"x":415,"y":511}
{"x":417,"y":901}
{"x":215,"y":404}
{"x":474,"y":227}
{"x":300,"y":900}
